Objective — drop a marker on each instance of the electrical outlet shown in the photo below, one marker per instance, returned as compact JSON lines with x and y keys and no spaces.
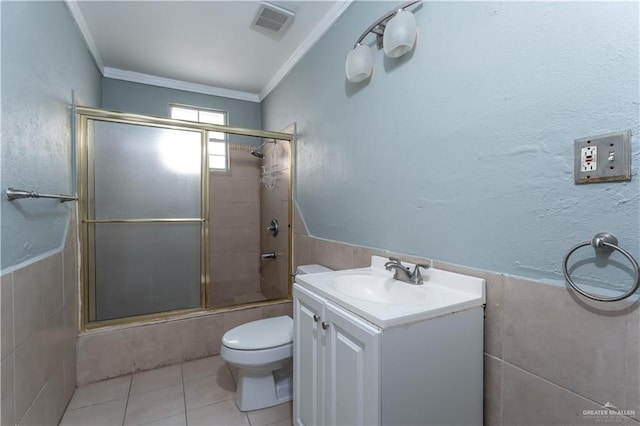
{"x":589,"y":159}
{"x":603,"y":158}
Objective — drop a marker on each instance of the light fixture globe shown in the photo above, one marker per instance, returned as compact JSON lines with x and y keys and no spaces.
{"x":400,"y":34}
{"x":359,"y":63}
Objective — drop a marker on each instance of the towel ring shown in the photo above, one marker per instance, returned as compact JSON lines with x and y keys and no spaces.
{"x":603,"y":241}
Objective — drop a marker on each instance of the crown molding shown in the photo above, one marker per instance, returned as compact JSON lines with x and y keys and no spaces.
{"x":73,"y":7}
{"x":136,"y":77}
{"x":323,"y":26}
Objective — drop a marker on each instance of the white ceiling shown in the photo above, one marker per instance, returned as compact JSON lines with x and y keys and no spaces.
{"x":202,"y":46}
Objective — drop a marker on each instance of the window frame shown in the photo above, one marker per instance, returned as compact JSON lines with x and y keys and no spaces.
{"x":225,"y":140}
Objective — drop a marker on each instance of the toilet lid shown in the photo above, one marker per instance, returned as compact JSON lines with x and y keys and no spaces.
{"x":260,"y":334}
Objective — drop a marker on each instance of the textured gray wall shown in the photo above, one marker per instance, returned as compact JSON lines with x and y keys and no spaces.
{"x":44,"y":58}
{"x":462,"y":150}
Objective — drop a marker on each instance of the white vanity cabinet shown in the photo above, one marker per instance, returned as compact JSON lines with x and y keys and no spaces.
{"x":348,"y":371}
{"x":336,"y":364}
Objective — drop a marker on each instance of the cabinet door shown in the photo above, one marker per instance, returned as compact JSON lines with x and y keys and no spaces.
{"x":308,"y":358}
{"x":352,"y":369}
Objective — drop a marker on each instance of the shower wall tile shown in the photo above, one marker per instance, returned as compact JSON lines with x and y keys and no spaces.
{"x":226,"y":267}
{"x":492,"y":391}
{"x":95,"y":365}
{"x":234,"y":241}
{"x":6,"y":313}
{"x":30,"y":372}
{"x":531,"y":400}
{"x":235,"y":214}
{"x":50,"y":403}
{"x":225,"y":292}
{"x":552,"y":335}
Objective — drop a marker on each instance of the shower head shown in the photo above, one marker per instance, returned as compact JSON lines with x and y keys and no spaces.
{"x":258,"y":152}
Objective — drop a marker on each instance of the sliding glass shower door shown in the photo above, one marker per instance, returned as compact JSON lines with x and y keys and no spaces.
{"x":144,"y":218}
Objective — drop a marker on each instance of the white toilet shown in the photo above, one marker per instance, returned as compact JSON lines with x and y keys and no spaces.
{"x":263,"y":352}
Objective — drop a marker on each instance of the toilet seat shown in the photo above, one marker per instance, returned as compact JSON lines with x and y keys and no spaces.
{"x":261,"y":334}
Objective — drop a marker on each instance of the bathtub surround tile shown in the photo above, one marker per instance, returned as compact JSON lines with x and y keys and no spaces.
{"x":103,"y":414}
{"x":235,"y":318}
{"x":156,"y":345}
{"x":201,"y":336}
{"x":7,"y":402}
{"x":223,"y":413}
{"x":209,"y":390}
{"x":154,"y":405}
{"x":100,"y":392}
{"x":146,"y":381}
{"x":492,"y":409}
{"x":201,"y":368}
{"x":6,"y":313}
{"x":549,"y":334}
{"x":93,"y":365}
{"x":530,"y":400}
{"x":277,"y":310}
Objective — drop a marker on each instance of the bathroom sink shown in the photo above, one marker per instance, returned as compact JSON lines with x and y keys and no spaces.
{"x":373,"y":294}
{"x":374,"y":288}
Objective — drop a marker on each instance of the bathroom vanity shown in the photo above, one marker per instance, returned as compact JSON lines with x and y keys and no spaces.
{"x":371,"y":350}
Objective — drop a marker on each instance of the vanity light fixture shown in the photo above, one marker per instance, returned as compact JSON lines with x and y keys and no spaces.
{"x":395,"y":32}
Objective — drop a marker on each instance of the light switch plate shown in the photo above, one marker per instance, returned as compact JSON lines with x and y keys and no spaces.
{"x":612,"y":160}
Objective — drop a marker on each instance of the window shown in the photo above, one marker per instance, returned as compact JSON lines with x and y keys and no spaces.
{"x":218,"y":146}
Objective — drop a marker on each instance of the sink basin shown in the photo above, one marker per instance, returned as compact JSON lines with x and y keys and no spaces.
{"x":379,"y":289}
{"x":373,"y":294}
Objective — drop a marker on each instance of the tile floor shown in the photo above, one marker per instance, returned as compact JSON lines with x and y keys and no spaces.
{"x":197,"y":392}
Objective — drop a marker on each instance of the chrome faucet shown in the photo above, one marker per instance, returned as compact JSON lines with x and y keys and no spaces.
{"x":404,"y":274}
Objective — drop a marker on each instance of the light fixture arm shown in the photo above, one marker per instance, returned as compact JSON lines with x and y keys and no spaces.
{"x":377,"y":27}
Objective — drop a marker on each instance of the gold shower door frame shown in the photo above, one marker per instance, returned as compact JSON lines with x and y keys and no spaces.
{"x":88,"y":221}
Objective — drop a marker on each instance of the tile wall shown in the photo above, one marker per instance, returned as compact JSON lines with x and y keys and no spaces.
{"x":39,"y":309}
{"x":274,"y":194}
{"x":138,"y":347}
{"x":234,"y":231}
{"x":550,"y":357}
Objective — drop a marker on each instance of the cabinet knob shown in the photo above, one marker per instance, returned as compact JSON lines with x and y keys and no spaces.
{"x":315,"y":318}
{"x":324,"y":325}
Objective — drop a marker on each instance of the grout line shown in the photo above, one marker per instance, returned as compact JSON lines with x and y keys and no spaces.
{"x":126,"y":404}
{"x":184,"y":394}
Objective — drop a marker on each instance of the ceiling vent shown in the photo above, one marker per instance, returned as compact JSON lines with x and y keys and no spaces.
{"x":272,"y":18}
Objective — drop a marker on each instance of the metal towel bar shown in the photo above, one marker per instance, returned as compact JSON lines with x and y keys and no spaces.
{"x":603,"y":241}
{"x":16,"y":194}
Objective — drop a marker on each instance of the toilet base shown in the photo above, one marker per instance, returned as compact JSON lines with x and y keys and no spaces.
{"x":256,"y":391}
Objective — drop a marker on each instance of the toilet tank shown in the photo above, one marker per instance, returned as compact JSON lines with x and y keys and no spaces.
{"x":311,"y":269}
